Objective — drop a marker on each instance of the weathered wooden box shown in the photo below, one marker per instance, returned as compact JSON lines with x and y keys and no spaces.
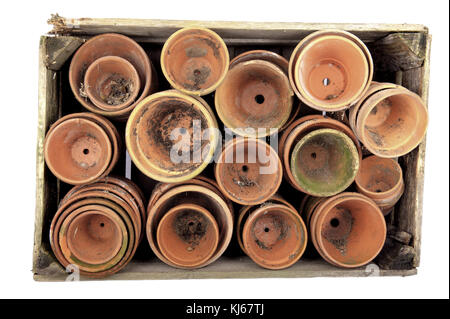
{"x":401,"y":54}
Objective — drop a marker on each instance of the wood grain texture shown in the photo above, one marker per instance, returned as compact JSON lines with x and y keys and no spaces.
{"x":59,"y":49}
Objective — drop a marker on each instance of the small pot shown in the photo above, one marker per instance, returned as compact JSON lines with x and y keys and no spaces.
{"x":381,"y":179}
{"x":265,"y":55}
{"x":330,"y":70}
{"x":77,"y":151}
{"x":195,"y":60}
{"x":111,"y":44}
{"x":112,"y":83}
{"x":190,"y":194}
{"x":248,"y":171}
{"x":254,"y":98}
{"x":188,"y":235}
{"x":153,"y":124}
{"x":106,"y":125}
{"x":348,"y":230}
{"x":392,"y":122}
{"x":274,"y":236}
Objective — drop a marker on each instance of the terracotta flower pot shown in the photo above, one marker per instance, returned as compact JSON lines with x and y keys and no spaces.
{"x":195,"y":60}
{"x":274,"y":236}
{"x":245,"y":212}
{"x":301,"y":127}
{"x":254,"y":97}
{"x":120,"y":203}
{"x":163,"y":136}
{"x":111,"y":44}
{"x":248,"y":171}
{"x":188,"y":235}
{"x":330,"y":70}
{"x":348,"y":230}
{"x":77,"y":151}
{"x":324,"y":162}
{"x":94,"y":238}
{"x":381,"y":179}
{"x":392,"y":122}
{"x":373,"y":88}
{"x":111,"y":83}
{"x":264,"y":55}
{"x":189,"y":194}
{"x":106,"y":125}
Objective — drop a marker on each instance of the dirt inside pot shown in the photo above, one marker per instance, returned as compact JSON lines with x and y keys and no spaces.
{"x":191,"y":227}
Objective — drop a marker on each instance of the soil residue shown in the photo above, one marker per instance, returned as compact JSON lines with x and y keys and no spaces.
{"x":338,"y":235}
{"x":191,"y":227}
{"x":118,"y":90}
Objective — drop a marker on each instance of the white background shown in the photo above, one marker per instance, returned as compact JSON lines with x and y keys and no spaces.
{"x":23,"y":23}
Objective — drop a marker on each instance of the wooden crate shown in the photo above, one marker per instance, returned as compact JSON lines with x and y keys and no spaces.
{"x":401,"y":54}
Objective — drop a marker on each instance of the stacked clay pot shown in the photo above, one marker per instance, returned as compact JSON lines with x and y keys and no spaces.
{"x":320,"y":155}
{"x":389,"y":120}
{"x":195,"y":60}
{"x":154,"y":148}
{"x":110,"y":74}
{"x":330,"y":70}
{"x":248,"y":171}
{"x":256,"y":96}
{"x":98,"y":226}
{"x":189,"y":224}
{"x":272,"y":234}
{"x":348,"y":230}
{"x":381,"y":179}
{"x":80,"y":148}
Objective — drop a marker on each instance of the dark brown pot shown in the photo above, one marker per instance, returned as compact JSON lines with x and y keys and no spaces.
{"x":111,"y":44}
{"x":248,"y":171}
{"x":254,"y":97}
{"x":112,"y":83}
{"x":195,"y":60}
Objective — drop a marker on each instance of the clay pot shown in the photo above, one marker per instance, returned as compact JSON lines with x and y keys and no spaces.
{"x":303,"y":126}
{"x":153,"y":124}
{"x":348,"y":230}
{"x":274,"y":236}
{"x":111,"y":44}
{"x":188,"y":235}
{"x":392,"y":122}
{"x":265,"y":55}
{"x":373,"y":88}
{"x":381,"y":179}
{"x":330,"y":70}
{"x":77,"y":151}
{"x":195,"y":60}
{"x":111,"y":83}
{"x":254,"y":97}
{"x":324,"y":162}
{"x":98,"y":226}
{"x":248,"y":171}
{"x":107,"y":126}
{"x":176,"y":198}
